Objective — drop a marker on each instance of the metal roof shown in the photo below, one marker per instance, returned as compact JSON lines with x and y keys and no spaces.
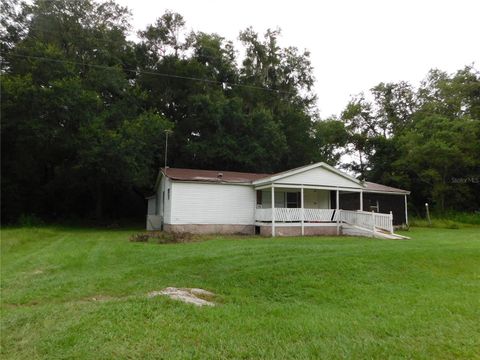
{"x":218,"y":176}
{"x":211,"y":175}
{"x":370,"y":186}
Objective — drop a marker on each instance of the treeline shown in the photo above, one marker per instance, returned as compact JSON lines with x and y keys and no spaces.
{"x":426,"y":140}
{"x":85,"y":111}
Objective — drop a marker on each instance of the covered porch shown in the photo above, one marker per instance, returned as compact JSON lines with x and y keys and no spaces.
{"x":299,"y":206}
{"x":315,"y":210}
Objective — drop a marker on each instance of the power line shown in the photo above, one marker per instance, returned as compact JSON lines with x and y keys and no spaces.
{"x":146,"y":72}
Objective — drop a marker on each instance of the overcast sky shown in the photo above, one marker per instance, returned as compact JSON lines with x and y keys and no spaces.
{"x":354,"y":44}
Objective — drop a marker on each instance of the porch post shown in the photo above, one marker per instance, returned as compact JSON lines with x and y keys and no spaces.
{"x":373,"y":223}
{"x":391,"y":222}
{"x":337,"y":205}
{"x":337,"y":212}
{"x":302,"y":210}
{"x":406,"y":211}
{"x":273,"y":211}
{"x":361,"y":200}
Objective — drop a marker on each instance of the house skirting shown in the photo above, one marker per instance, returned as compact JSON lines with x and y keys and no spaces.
{"x":211,"y":229}
{"x":295,"y":230}
{"x":265,"y":230}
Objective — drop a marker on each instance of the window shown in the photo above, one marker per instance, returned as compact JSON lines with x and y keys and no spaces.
{"x":168,"y":194}
{"x":293,"y":199}
{"x":259,"y":197}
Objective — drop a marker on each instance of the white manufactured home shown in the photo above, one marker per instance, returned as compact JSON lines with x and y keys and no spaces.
{"x":310,"y":200}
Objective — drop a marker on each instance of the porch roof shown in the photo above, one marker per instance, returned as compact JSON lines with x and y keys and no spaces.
{"x":374,"y":187}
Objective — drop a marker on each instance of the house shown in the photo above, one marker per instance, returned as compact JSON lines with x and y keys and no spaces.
{"x":310,"y":200}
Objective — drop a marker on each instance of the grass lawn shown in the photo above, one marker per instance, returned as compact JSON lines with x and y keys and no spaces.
{"x":323,"y":297}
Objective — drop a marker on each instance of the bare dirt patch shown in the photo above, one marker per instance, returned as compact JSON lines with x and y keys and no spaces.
{"x":162,"y":237}
{"x":195,"y":296}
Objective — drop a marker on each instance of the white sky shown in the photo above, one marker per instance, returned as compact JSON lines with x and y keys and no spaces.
{"x":354,"y":45}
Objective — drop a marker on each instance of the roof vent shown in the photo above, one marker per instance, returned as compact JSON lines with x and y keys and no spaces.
{"x":220,"y":175}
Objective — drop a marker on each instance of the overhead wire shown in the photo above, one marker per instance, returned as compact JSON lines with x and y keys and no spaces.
{"x":153,"y":73}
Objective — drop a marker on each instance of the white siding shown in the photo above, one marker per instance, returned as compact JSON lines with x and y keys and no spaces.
{"x":151,"y":206}
{"x":319,"y":177}
{"x":324,"y":199}
{"x":163,"y":187}
{"x":198,"y":203}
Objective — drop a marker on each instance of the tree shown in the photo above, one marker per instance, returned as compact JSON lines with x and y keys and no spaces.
{"x":216,"y":105}
{"x":330,"y":138}
{"x":280,"y":79}
{"x":68,"y":98}
{"x":435,"y":152}
{"x":421,"y":139}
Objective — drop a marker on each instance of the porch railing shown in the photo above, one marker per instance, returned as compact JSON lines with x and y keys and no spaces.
{"x":319,"y":215}
{"x":368,"y":220}
{"x":295,"y":215}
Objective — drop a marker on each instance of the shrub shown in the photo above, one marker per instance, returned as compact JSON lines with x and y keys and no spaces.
{"x":452,"y":225}
{"x":465,"y":217}
{"x":438,"y":223}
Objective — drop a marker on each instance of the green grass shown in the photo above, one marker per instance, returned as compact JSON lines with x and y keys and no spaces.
{"x":325,"y":297}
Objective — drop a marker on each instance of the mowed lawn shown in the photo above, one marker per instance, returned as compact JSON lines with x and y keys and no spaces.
{"x":282,"y":298}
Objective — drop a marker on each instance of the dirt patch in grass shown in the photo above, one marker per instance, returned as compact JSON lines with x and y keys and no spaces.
{"x":195,"y":296}
{"x":161,"y":237}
